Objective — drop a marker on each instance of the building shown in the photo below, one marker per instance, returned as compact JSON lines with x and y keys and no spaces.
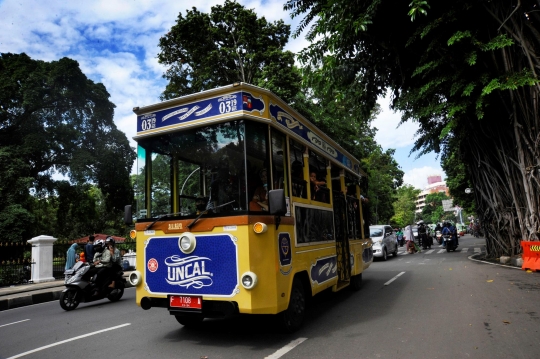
{"x":435,"y":184}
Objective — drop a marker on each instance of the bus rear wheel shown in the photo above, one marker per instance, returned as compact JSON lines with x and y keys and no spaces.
{"x":292,"y":318}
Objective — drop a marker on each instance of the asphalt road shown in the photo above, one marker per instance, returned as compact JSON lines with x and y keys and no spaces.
{"x":425,"y":305}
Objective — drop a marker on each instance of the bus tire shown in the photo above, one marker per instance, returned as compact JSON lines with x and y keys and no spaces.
{"x":189,"y":320}
{"x":292,"y":318}
{"x":356,"y":282}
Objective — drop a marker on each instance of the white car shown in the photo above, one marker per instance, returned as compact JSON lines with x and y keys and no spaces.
{"x":384,"y":241}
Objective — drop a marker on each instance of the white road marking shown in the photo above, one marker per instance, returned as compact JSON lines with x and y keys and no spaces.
{"x":477,"y":250}
{"x":66,"y":341}
{"x":20,"y":321}
{"x":393,"y":279}
{"x":430,"y":251}
{"x":441,"y":251}
{"x":464,"y":250}
{"x":287,"y":348}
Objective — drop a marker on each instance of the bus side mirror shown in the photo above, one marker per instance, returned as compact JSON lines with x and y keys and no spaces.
{"x":128,"y":219}
{"x":276,"y":202}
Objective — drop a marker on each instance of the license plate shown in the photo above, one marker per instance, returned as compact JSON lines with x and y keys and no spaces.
{"x":185,"y":301}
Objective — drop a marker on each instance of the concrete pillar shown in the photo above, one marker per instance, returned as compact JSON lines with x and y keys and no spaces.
{"x":42,"y":256}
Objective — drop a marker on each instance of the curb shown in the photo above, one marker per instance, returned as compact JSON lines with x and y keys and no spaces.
{"x":472,"y":258}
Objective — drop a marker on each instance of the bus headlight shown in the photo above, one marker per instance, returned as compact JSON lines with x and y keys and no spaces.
{"x":187,"y":243}
{"x":249,"y":280}
{"x":260,"y":227}
{"x":134,"y":278}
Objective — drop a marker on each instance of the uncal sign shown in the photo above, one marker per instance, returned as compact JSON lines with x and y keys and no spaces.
{"x":211,"y":269}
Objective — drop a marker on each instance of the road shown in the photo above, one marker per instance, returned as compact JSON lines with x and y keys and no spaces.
{"x":424,"y":305}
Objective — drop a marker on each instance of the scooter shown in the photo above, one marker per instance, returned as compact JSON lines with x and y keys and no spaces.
{"x":449,"y":243}
{"x":81,"y":288}
{"x":438,"y":237}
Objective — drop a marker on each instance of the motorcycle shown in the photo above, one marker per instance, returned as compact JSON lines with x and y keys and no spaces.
{"x":449,"y":243}
{"x":82,"y":288}
{"x":438,"y":237}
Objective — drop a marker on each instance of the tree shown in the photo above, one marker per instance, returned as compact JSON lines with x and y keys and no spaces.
{"x":230,"y":44}
{"x":433,"y":211}
{"x":404,"y":205}
{"x":466,"y":70}
{"x":53,"y":119}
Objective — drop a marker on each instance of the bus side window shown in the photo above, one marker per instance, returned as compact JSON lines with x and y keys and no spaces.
{"x":298,"y":182}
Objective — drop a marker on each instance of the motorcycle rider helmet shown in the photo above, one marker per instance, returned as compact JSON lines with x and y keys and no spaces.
{"x":420,"y":222}
{"x":99,"y":245}
{"x":109,"y":240}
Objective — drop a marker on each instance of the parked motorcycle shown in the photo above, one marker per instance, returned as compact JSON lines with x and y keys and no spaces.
{"x":80,"y":287}
{"x":449,"y":243}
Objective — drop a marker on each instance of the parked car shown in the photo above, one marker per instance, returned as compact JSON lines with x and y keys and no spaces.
{"x":384,"y":241}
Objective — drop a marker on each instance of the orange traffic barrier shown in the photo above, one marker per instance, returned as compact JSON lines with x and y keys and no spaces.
{"x":531,"y":255}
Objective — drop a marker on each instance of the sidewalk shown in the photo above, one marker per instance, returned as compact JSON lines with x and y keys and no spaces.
{"x":27,"y":294}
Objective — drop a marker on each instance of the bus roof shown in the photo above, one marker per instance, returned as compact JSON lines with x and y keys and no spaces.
{"x":238,"y":101}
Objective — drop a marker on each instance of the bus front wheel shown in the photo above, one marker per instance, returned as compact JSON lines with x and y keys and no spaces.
{"x":292,"y":318}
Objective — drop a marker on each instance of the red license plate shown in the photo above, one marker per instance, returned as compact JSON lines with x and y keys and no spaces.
{"x":185,"y":301}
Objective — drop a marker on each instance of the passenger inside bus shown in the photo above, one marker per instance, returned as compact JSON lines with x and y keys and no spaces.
{"x":318,"y":187}
{"x":259,"y":201}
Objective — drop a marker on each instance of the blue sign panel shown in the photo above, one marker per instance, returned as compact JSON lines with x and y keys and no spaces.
{"x":198,"y":110}
{"x":211,"y":269}
{"x":324,"y":270}
{"x":284,"y":245}
{"x":287,"y":120}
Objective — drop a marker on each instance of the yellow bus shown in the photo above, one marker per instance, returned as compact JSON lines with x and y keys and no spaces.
{"x":242,"y":207}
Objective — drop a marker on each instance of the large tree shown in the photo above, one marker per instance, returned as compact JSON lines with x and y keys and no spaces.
{"x":230,"y":44}
{"x":466,"y":70}
{"x":404,"y":205}
{"x":53,"y":119}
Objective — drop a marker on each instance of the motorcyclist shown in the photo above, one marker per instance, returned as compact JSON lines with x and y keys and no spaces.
{"x":446,"y":231}
{"x":422,"y":234}
{"x":454,"y":234}
{"x":115,"y":263}
{"x":102,"y":258}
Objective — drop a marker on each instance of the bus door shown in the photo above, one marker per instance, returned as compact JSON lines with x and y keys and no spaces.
{"x":342,"y":239}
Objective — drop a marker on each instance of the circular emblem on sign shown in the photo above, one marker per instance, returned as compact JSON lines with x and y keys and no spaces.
{"x":152,"y":265}
{"x":284,"y":245}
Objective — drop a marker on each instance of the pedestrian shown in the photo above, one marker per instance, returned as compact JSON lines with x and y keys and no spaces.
{"x":89,"y":250}
{"x":409,"y":236}
{"x":71,"y":256}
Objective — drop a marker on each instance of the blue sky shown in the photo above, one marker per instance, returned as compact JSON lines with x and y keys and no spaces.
{"x":116,"y":43}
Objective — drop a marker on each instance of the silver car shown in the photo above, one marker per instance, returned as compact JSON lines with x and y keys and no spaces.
{"x":384,"y":241}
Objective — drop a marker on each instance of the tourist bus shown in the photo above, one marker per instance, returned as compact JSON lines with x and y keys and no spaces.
{"x":242,"y":206}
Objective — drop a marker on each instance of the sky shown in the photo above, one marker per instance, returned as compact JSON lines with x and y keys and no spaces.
{"x":116,"y":43}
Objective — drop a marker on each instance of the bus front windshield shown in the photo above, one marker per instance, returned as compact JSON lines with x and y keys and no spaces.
{"x":200,"y":169}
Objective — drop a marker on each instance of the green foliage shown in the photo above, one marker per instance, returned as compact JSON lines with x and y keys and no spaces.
{"x":433,"y":210}
{"x":55,"y":120}
{"x":230,"y":44}
{"x":404,"y":205}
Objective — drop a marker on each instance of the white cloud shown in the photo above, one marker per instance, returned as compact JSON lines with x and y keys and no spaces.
{"x":389,"y":135}
{"x":417,"y":177}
